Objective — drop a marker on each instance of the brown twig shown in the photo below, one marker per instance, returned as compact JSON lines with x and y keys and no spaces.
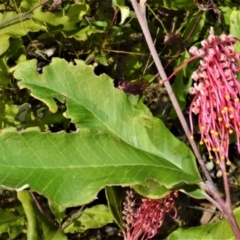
{"x":36,"y":202}
{"x":73,"y":216}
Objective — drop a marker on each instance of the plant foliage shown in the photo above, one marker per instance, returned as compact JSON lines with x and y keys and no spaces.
{"x":68,"y":130}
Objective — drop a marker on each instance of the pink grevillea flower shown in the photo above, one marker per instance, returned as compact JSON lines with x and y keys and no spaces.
{"x":216,"y":90}
{"x":142,"y":220}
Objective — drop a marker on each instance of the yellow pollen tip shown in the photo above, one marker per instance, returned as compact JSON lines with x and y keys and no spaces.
{"x":220,"y":119}
{"x":205,"y":140}
{"x":228,"y":162}
{"x":191,"y":137}
{"x":210,"y":157}
{"x":230,"y":109}
{"x":209,"y":149}
{"x":230,"y":131}
{"x":227,"y":96}
{"x":227,"y":125}
{"x":236,"y":99}
{"x":217,"y":162}
{"x":201,"y":142}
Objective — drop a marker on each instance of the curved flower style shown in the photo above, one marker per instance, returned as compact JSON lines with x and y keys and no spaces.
{"x":216,"y":90}
{"x":143,"y":220}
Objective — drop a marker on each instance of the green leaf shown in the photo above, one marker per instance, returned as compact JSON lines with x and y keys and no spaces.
{"x":219,"y":230}
{"x":22,"y":112}
{"x":27,"y":5}
{"x":196,"y":24}
{"x":125,"y":11}
{"x":16,"y":50}
{"x":234,"y":27}
{"x":115,"y":199}
{"x":14,"y":53}
{"x":94,"y":217}
{"x":117,"y":144}
{"x":4,"y":72}
{"x":67,"y":21}
{"x":183,"y":81}
{"x":230,"y":3}
{"x":179,"y":4}
{"x":4,"y":43}
{"x":88,"y":99}
{"x":38,"y":226}
{"x":11,"y":224}
{"x":8,"y":113}
{"x":152,"y":188}
{"x":58,"y":211}
{"x":101,"y":59}
{"x":16,"y":29}
{"x":85,"y":32}
{"x":226,"y":13}
{"x":134,"y":64}
{"x":83,"y":160}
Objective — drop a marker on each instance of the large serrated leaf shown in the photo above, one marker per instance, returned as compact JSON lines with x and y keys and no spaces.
{"x":94,"y":103}
{"x":116,"y":144}
{"x":71,"y":168}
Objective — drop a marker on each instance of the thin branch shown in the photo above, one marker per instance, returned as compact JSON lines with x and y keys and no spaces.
{"x":73,"y":216}
{"x":36,"y":202}
{"x":21,"y":16}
